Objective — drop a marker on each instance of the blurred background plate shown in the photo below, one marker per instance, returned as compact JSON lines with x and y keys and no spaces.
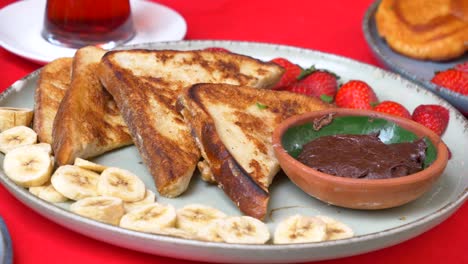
{"x":418,"y":71}
{"x":6,"y":254}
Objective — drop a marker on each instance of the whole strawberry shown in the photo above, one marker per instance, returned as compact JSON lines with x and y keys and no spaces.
{"x":452,"y":79}
{"x":462,"y":67}
{"x":434,"y":117}
{"x":321,"y":84}
{"x":355,"y":94}
{"x":291,"y":73}
{"x":217,"y":49}
{"x":393,"y":108}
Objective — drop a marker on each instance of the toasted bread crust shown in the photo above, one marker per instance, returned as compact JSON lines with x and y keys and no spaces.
{"x":54,"y":80}
{"x":246,"y":185}
{"x":145,"y":84}
{"x":88,"y":122}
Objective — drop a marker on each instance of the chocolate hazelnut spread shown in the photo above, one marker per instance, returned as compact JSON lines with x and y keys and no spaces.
{"x":363,"y":156}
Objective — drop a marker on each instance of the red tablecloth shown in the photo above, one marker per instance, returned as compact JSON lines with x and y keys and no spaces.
{"x":329,"y":26}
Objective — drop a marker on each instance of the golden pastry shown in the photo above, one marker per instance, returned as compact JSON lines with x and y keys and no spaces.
{"x":424,"y":29}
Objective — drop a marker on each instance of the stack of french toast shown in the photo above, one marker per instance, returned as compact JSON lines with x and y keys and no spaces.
{"x":183,"y":110}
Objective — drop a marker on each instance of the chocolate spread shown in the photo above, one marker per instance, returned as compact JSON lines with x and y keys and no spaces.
{"x":363,"y":156}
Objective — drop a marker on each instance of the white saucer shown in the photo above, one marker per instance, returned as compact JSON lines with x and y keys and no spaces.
{"x":21,"y":25}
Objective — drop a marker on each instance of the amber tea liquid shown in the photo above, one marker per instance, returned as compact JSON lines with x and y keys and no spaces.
{"x":77,"y":23}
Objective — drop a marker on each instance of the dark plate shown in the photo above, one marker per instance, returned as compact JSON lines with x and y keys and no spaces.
{"x":419,"y":71}
{"x":6,"y":253}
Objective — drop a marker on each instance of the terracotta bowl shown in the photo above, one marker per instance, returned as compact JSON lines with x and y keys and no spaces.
{"x":367,"y":194}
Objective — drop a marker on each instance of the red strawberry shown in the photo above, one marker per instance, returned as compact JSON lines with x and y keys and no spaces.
{"x":435,"y":117}
{"x":292,"y":72}
{"x":451,"y":79}
{"x":319,"y":84}
{"x":218,"y":49}
{"x":392,"y":108}
{"x":462,"y":67}
{"x":355,"y":94}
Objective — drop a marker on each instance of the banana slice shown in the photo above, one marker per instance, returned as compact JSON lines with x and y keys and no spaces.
{"x":105,"y":209}
{"x":243,"y":229}
{"x":336,"y":229}
{"x":175,"y":232}
{"x":149,"y":198}
{"x":11,"y":117}
{"x":193,"y":217}
{"x":209,"y":232}
{"x":74,"y":182}
{"x":122,"y":184}
{"x":150,"y":218}
{"x":48,"y":193}
{"x":300,"y":229}
{"x":28,"y":166}
{"x":86,"y":164}
{"x":46,"y":147}
{"x":15,"y":137}
{"x":36,"y":190}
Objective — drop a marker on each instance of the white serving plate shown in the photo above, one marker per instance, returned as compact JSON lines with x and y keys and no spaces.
{"x":374,"y":229}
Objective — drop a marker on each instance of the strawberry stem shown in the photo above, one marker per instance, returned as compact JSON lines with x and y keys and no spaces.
{"x":326,"y":98}
{"x":306,"y":72}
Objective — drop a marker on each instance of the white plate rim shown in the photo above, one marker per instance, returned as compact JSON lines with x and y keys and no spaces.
{"x":426,"y":222}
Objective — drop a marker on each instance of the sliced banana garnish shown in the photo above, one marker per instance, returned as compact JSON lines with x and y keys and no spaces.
{"x":193,"y":217}
{"x":209,"y":232}
{"x":28,"y":166}
{"x":149,"y":198}
{"x":12,"y":116}
{"x":243,"y":229}
{"x":300,"y":229}
{"x":336,"y":229}
{"x":175,"y":232}
{"x":74,"y":182}
{"x":48,"y":193}
{"x":15,"y":137}
{"x":150,"y":218}
{"x":44,"y":146}
{"x":86,"y":164}
{"x":122,"y":184}
{"x":105,"y":209}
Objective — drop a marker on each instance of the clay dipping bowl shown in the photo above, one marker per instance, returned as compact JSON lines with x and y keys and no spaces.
{"x":369,"y":194}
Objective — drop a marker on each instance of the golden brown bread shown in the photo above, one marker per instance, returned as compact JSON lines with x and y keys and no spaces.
{"x":88,"y":122}
{"x":54,"y":80}
{"x":233,"y":126}
{"x":145,"y":84}
{"x":424,"y":29}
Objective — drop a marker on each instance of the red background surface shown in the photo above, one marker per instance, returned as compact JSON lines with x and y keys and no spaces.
{"x":329,"y":26}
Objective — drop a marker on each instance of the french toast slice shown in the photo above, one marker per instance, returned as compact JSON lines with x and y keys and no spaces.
{"x":145,"y":85}
{"x":233,"y":126}
{"x":54,"y":80}
{"x":88,"y":122}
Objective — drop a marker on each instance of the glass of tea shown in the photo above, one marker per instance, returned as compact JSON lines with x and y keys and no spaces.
{"x":78,"y":23}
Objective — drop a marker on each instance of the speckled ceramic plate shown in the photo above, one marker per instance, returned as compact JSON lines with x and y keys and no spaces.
{"x":418,"y":71}
{"x":6,"y":253}
{"x":373,"y":229}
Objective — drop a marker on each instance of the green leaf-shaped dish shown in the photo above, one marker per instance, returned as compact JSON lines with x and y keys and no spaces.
{"x":295,"y":137}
